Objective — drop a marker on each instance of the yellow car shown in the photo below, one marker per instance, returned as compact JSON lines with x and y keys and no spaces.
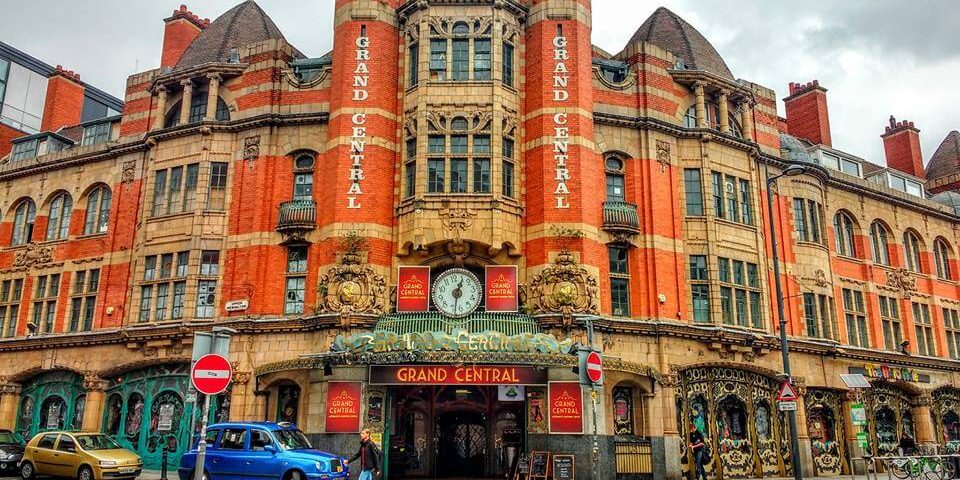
{"x":84,"y":456}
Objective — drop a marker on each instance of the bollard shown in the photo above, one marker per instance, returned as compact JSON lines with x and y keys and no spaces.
{"x":163,"y":464}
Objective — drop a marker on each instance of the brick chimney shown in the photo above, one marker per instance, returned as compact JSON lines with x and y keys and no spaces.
{"x":63,"y":105}
{"x":807,"y":115}
{"x":181,"y":28}
{"x":901,"y":143}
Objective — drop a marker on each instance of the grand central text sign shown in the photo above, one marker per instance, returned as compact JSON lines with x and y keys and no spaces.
{"x":456,"y":375}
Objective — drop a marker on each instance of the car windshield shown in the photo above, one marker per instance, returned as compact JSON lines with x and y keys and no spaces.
{"x":292,"y":439}
{"x":97,"y":442}
{"x":9,"y":438}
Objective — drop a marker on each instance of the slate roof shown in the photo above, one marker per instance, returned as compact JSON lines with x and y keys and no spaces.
{"x":670,"y":32}
{"x":946,"y":160}
{"x":246,"y":23}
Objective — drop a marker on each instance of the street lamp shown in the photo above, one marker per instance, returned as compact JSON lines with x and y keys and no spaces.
{"x":792,"y":170}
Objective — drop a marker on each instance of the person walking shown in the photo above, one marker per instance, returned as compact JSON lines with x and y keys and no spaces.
{"x":369,"y":456}
{"x":699,"y":448}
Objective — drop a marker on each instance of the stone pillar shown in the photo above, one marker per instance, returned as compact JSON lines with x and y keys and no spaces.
{"x":663,"y":411}
{"x":185,"y":103}
{"x":923,"y":421}
{"x":94,"y":404}
{"x":701,"y":105}
{"x":850,"y":434}
{"x":212,"y":95}
{"x":9,"y":403}
{"x":803,"y":431}
{"x":724,"y":111}
{"x":161,"y":115}
{"x":241,"y":398}
{"x":746,"y":120}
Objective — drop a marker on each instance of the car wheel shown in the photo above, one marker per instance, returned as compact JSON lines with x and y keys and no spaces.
{"x":85,"y":473}
{"x":193,"y":474}
{"x":27,"y":472}
{"x":294,"y":475}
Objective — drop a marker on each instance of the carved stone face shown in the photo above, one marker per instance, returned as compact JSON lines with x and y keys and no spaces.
{"x":348,"y":293}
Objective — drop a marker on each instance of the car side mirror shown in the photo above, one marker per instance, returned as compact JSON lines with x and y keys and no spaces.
{"x":270,"y":448}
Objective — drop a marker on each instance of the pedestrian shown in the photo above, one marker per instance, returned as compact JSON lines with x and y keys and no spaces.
{"x":699,"y":449}
{"x":908,"y":446}
{"x":369,"y":456}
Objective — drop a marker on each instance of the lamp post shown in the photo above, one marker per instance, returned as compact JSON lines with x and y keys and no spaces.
{"x":790,"y":171}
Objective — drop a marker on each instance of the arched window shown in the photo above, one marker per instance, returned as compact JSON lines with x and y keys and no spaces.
{"x":623,"y":411}
{"x":58,"y":221}
{"x":616,"y":188}
{"x":461,"y":28}
{"x":879,"y":238}
{"x":941,"y":253}
{"x":23,"y":218}
{"x":288,"y":403}
{"x":303,"y":165}
{"x":98,"y":211}
{"x":911,"y":250}
{"x":459,"y":124}
{"x":843,"y":228}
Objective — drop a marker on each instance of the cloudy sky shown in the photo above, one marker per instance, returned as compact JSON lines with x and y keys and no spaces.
{"x":876,"y":57}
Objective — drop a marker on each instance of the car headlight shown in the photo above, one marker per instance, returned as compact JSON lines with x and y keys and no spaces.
{"x":322,"y":466}
{"x":6,"y":456}
{"x":108,"y":463}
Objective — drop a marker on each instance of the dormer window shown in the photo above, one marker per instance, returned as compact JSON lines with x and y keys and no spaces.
{"x":94,"y":134}
{"x":24,"y":150}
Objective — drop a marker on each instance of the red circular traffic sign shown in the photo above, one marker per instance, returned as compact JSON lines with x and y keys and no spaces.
{"x":211,"y":374}
{"x":594,"y":367}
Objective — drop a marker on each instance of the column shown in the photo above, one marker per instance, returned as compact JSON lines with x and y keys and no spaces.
{"x":212,"y":95}
{"x":161,"y":115}
{"x":96,"y":388}
{"x":923,"y":421}
{"x":185,"y":103}
{"x":746,"y":120}
{"x":9,"y":402}
{"x":701,"y":105}
{"x":803,"y":430}
{"x":663,"y":410}
{"x":850,"y":434}
{"x":242,"y":400}
{"x":724,"y":111}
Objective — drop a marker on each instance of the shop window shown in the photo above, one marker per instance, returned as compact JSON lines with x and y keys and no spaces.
{"x":166,"y":414}
{"x":951,"y":427}
{"x":693,"y":190}
{"x":856,"y":319}
{"x":890,"y":318}
{"x":52,"y":413}
{"x":911,"y":251}
{"x":58,"y":218}
{"x":699,"y":288}
{"x":114,"y":411}
{"x":732,"y":421}
{"x":46,"y":291}
{"x":942,"y":257}
{"x":822,"y":425}
{"x":25,"y":418}
{"x":623,"y":411}
{"x":23,"y":219}
{"x":699,"y":415}
{"x":78,"y":407}
{"x":880,"y":240}
{"x":762,"y":420}
{"x":951,"y":320}
{"x":843,"y":228}
{"x":11,"y":291}
{"x":97,"y":216}
{"x":924,"y":330}
{"x":288,"y":403}
{"x":740,"y":299}
{"x":134,"y":420}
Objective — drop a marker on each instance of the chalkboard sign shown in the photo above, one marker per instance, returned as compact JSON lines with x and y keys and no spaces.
{"x":563,"y":467}
{"x":523,"y":466}
{"x":539,"y":464}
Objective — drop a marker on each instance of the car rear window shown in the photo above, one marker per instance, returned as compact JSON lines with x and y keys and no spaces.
{"x":233,"y":439}
{"x":47,"y":440}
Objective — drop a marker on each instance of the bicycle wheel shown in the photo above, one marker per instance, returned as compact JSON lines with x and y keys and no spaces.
{"x":900,"y":468}
{"x":933,"y":469}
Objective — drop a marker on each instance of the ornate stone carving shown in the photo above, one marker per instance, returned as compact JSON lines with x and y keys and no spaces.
{"x":663,"y":155}
{"x":820,"y":278}
{"x":564,"y":287}
{"x":456,"y":221}
{"x":129,"y":171}
{"x":33,"y":255}
{"x":901,"y":279}
{"x":924,"y":400}
{"x":251,"y":148}
{"x":351,"y":288}
{"x":239,"y":377}
{"x":93,"y":382}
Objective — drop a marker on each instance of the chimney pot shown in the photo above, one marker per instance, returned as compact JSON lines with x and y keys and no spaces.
{"x":807,"y":113}
{"x":901,"y":145}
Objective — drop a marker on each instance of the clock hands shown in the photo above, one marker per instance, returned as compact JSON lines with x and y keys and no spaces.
{"x":457,"y":293}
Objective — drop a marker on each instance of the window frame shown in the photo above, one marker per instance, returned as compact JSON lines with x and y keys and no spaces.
{"x":96,"y":219}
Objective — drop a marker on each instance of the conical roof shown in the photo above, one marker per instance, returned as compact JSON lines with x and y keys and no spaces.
{"x":243,"y":24}
{"x":668,"y":31}
{"x":946,"y":160}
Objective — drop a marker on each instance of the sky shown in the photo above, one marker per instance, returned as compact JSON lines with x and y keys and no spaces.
{"x":876,"y":57}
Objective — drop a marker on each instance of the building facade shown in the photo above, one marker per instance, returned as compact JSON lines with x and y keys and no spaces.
{"x":410,"y":233}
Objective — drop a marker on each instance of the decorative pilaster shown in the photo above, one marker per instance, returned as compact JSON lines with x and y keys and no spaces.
{"x":185,"y":103}
{"x":746,"y":120}
{"x":161,"y":115}
{"x":9,"y":400}
{"x":213,"y":93}
{"x":724,"y":111}
{"x":701,"y":105}
{"x":95,"y":388}
{"x":922,"y":420}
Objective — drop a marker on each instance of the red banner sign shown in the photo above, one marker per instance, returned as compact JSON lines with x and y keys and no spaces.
{"x":501,"y":288}
{"x":451,"y":375}
{"x":413,"y":289}
{"x":343,"y":407}
{"x":566,"y":407}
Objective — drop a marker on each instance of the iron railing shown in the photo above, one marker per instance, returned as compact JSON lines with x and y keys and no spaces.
{"x":634,"y":459}
{"x":297,"y":215}
{"x":621,"y":217}
{"x":505,"y":323}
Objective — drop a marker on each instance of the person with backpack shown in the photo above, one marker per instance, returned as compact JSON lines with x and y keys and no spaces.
{"x":369,"y":456}
{"x":700,"y":453}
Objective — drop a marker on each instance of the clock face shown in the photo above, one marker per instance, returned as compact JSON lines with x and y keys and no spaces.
{"x":457,"y":292}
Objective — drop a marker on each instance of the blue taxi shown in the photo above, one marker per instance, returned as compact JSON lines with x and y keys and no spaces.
{"x":262,"y":450}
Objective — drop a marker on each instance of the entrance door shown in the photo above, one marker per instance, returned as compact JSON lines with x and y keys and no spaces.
{"x":461,"y":444}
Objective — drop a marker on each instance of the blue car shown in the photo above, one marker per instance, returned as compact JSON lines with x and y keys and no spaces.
{"x":262,"y":450}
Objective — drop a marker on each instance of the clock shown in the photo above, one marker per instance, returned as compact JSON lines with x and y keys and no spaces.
{"x":457,"y":293}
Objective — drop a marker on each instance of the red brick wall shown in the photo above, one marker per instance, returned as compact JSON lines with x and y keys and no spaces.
{"x":64,"y":102}
{"x":807,"y":115}
{"x":901,"y":144}
{"x":178,"y":33}
{"x":7,"y":134}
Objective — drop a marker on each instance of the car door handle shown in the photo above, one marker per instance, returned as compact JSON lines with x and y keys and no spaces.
{"x":249,"y":462}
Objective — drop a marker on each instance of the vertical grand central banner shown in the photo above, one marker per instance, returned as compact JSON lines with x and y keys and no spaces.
{"x":500,"y":291}
{"x":413,"y":289}
{"x":343,"y":407}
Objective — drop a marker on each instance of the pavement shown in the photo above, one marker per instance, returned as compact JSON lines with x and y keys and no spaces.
{"x":172,"y":475}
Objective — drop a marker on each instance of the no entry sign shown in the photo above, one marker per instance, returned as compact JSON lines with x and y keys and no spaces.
{"x":211,"y":374}
{"x":594,"y":367}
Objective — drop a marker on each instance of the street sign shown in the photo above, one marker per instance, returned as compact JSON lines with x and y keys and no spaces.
{"x":594,"y":367}
{"x":787,"y":394}
{"x":858,"y":414}
{"x":788,"y":406}
{"x":211,"y":374}
{"x":862,"y":440}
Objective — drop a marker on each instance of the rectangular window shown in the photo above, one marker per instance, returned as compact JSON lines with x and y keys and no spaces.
{"x":458,"y":144}
{"x":296,"y":286}
{"x":726,"y":304}
{"x":216,"y":198}
{"x":481,"y":59}
{"x":410,"y":179}
{"x":437,"y":144}
{"x":508,"y":179}
{"x":190,"y":189}
{"x":83,"y":301}
{"x":810,"y":313}
{"x":24,"y":150}
{"x":618,"y":260}
{"x":412,"y":149}
{"x":146,"y":299}
{"x":951,"y":321}
{"x":508,"y":64}
{"x":481,"y":145}
{"x":746,"y":203}
{"x":95,"y":134}
{"x":461,"y":60}
{"x":210,"y":262}
{"x":856,"y":319}
{"x":481,"y":175}
{"x":159,"y":191}
{"x":718,"y":195}
{"x":740,"y":298}
{"x":174,"y":190}
{"x":414,"y":64}
{"x":699,"y":289}
{"x":890,"y":318}
{"x":733,"y":210}
{"x":10,"y":295}
{"x":206,"y":298}
{"x":163,"y":291}
{"x":435,"y":176}
{"x":694,"y":191}
{"x":620,"y":297}
{"x":924,"y":330}
{"x":438,"y":59}
{"x":816,"y":213}
{"x":179,"y":292}
{"x":303,"y":186}
{"x":297,"y":259}
{"x":46,"y":289}
{"x":800,"y":219}
{"x":458,"y":175}
{"x":198,"y":107}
